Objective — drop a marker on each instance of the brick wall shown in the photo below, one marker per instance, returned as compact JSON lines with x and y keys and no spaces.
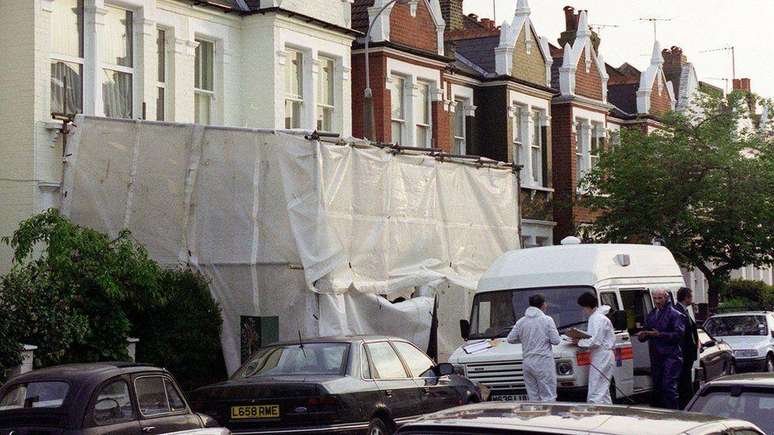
{"x":452,"y":14}
{"x":563,"y":168}
{"x":418,"y":32}
{"x":588,"y":84}
{"x":528,"y":66}
{"x":660,"y":103}
{"x":381,"y":96}
{"x":442,"y":133}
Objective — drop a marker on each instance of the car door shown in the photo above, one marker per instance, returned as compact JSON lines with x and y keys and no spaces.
{"x":161,"y":406}
{"x":711,"y":357}
{"x":437,"y":391}
{"x":400,"y":393}
{"x":111,"y":410}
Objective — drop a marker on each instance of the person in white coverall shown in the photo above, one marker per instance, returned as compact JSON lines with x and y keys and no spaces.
{"x":537,"y":333}
{"x":601,"y":345}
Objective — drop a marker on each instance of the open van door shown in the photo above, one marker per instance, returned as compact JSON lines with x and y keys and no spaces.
{"x":623,"y":373}
{"x":638,"y":303}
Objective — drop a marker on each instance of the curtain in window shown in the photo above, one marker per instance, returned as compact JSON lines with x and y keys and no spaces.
{"x":69,"y":75}
{"x":117,"y":94}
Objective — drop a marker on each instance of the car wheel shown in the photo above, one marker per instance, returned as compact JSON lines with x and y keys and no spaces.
{"x":377,"y":426}
{"x":732,"y":368}
{"x":613,"y":391}
{"x":770,"y":364}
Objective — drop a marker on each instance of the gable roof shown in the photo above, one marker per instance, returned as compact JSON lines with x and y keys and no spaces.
{"x":571,"y":56}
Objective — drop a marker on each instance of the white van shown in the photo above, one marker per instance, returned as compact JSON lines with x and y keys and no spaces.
{"x":622,"y":276}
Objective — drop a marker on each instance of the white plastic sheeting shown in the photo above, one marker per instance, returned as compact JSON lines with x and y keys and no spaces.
{"x":269,"y":216}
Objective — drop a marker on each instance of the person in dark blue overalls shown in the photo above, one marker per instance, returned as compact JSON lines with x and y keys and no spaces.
{"x":664,"y":328}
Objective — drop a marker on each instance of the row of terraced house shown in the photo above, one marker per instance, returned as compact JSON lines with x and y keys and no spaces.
{"x":440,"y":79}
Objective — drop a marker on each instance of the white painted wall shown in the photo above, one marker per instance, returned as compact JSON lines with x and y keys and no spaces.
{"x":248,"y":79}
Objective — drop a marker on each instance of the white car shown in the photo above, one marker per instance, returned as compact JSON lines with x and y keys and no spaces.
{"x":750,"y":335}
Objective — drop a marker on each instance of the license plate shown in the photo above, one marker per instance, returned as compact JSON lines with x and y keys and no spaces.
{"x":510,"y":397}
{"x":255,"y":411}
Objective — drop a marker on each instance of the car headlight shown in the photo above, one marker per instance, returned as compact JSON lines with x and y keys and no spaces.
{"x":459,"y":369}
{"x":746,"y":353}
{"x":564,"y":368}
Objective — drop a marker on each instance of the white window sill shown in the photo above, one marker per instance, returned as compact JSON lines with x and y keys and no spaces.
{"x":538,"y":188}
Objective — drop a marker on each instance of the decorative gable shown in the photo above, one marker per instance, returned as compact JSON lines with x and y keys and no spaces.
{"x":655,"y":95}
{"x":521,"y":53}
{"x":583,"y":71}
{"x":417,"y":25}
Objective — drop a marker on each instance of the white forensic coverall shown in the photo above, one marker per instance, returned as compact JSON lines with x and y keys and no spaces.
{"x":601,"y":344}
{"x":537,"y":333}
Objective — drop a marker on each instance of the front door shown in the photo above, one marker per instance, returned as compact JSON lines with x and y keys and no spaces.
{"x":161,"y":406}
{"x":400,"y":393}
{"x":638,"y":303}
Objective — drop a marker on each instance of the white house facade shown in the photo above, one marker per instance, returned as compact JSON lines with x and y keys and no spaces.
{"x":258,"y":64}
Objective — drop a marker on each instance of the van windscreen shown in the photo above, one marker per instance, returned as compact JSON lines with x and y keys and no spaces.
{"x":495,"y":313}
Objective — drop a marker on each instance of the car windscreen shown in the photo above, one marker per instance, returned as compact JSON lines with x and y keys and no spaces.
{"x":495,"y":313}
{"x":306,"y":359}
{"x":736,"y":325}
{"x":753,"y":406}
{"x":35,"y":395}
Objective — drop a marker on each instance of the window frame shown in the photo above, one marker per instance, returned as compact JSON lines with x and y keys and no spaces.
{"x":459,"y":111}
{"x":162,"y":48}
{"x":200,"y":90}
{"x":536,"y":148}
{"x":402,"y":98}
{"x":403,"y":360}
{"x":104,"y":66}
{"x":55,"y":57}
{"x":323,"y":106}
{"x":294,"y":99}
{"x":164,"y":378}
{"x":596,"y":143}
{"x":518,"y":135}
{"x":97,"y":391}
{"x":425,"y":125}
{"x":582,"y":144}
{"x":372,"y":368}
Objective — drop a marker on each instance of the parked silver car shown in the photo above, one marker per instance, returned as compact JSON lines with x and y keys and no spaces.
{"x":747,"y":396}
{"x":750,"y":335}
{"x":572,"y":419}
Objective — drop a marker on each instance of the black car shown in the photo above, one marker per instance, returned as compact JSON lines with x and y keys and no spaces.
{"x":745,"y":396}
{"x":716,"y":359}
{"x":100,"y":398}
{"x":334,"y":385}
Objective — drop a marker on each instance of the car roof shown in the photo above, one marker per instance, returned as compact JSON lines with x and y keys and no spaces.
{"x":88,"y":372}
{"x":743,"y":313}
{"x":336,"y":339}
{"x":609,"y":419}
{"x":745,"y":379}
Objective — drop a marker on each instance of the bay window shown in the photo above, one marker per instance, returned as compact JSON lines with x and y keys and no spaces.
{"x":204,"y":88}
{"x":117,"y":58}
{"x":67,"y":57}
{"x":397,"y":100}
{"x":424,"y":110}
{"x":597,"y":144}
{"x":161,"y":74}
{"x":518,"y":135}
{"x":580,"y":149}
{"x":459,"y":128}
{"x":325,"y":94}
{"x":536,"y":149}
{"x":294,"y":89}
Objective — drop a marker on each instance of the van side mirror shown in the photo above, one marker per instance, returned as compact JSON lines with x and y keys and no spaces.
{"x":709,"y":344}
{"x":464,"y":329}
{"x":620,"y":322}
{"x":772,"y":333}
{"x":445,"y":369}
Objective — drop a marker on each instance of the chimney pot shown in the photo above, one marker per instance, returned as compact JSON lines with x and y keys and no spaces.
{"x":742,"y":85}
{"x":570,"y":19}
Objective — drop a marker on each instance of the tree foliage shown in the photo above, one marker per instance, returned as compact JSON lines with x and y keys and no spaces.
{"x":78,"y":294}
{"x":703,"y":186}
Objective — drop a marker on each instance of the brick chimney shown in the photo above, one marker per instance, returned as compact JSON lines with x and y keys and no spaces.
{"x":571,"y":20}
{"x":742,"y":85}
{"x":674,"y":60}
{"x":452,"y":14}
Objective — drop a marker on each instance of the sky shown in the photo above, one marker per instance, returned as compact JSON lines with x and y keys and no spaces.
{"x":695,"y":26}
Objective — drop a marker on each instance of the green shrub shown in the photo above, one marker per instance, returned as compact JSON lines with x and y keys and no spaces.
{"x":733,"y":305}
{"x":182,"y":335}
{"x":759,"y":294}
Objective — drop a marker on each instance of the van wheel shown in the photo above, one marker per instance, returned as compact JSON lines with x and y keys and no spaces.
{"x":770,"y":363}
{"x":377,"y":426}
{"x":613,"y":391}
{"x":731,"y":368}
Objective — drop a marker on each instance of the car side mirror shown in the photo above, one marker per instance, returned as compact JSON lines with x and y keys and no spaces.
{"x":445,"y":369}
{"x":464,"y":329}
{"x":620,"y":322}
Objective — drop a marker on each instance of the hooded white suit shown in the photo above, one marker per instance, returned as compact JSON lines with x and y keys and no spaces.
{"x":537,"y":333}
{"x":601,"y":344}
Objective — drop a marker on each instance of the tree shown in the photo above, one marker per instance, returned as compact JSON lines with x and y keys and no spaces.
{"x":70,"y":288}
{"x":702,"y":185}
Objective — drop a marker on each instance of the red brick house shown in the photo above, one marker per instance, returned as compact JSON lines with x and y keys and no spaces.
{"x":412,"y":106}
{"x":580,"y":118}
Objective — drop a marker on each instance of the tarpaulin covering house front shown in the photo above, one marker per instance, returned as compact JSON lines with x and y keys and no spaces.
{"x":321,"y":235}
